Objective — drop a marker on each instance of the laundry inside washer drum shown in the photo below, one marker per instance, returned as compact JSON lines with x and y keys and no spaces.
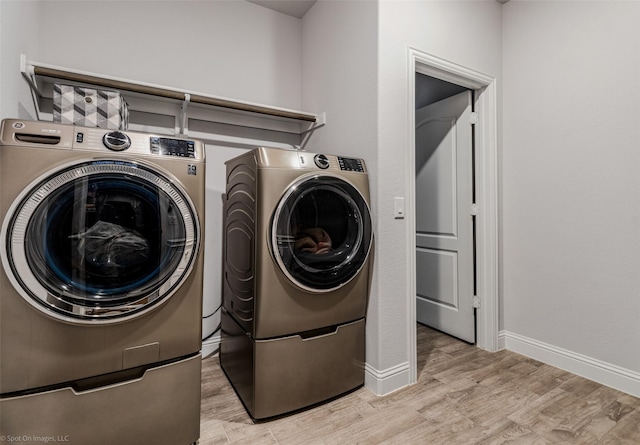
{"x":111,"y":247}
{"x":105,"y":239}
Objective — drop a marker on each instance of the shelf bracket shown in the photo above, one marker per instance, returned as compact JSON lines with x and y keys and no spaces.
{"x":26,"y":69}
{"x":183,"y":120}
{"x":27,"y":72}
{"x":306,"y":134}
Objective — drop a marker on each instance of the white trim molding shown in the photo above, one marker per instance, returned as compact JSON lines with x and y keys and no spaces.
{"x":386,"y":381}
{"x":622,"y":379}
{"x":210,"y":346}
{"x":486,"y":141}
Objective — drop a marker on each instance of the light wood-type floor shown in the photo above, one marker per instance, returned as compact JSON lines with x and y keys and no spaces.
{"x":463,"y":396}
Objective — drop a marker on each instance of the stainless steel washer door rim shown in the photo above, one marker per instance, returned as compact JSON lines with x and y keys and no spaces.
{"x":321,"y":232}
{"x":100,"y":241}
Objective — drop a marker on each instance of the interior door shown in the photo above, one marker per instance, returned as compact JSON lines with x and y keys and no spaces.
{"x":444,"y":225}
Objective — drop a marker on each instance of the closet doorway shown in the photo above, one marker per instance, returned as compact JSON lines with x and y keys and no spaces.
{"x":483,"y":90}
{"x":444,"y":203}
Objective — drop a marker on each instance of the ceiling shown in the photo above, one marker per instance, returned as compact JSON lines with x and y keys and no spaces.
{"x":294,"y":8}
{"x":297,"y":8}
{"x":428,"y":89}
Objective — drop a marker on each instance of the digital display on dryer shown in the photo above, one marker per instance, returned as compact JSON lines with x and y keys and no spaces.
{"x":348,"y":164}
{"x":173,"y":147}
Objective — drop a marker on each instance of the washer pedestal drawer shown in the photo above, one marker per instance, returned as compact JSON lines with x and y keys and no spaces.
{"x":277,"y":376}
{"x":162,"y":408}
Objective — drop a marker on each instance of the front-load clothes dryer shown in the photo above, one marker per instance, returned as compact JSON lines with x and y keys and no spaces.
{"x":101,"y":279}
{"x":297,"y":259}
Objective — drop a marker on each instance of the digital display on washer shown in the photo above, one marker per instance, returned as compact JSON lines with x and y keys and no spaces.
{"x":348,"y":164}
{"x":173,"y":147}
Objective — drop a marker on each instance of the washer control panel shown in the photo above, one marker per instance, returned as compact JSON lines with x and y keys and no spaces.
{"x":125,"y":143}
{"x":116,"y":141}
{"x":173,"y":147}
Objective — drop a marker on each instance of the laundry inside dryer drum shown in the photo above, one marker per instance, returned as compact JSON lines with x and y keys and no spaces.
{"x":323,"y":233}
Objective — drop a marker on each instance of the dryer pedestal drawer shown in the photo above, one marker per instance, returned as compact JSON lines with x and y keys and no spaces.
{"x":162,"y":407}
{"x":277,"y":376}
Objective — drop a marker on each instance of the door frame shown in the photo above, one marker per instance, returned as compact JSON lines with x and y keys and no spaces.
{"x":486,"y":142}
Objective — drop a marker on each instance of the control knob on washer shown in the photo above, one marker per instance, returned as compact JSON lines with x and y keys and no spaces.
{"x":116,"y":141}
{"x":321,"y":161}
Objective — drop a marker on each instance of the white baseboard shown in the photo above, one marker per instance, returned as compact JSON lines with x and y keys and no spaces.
{"x":605,"y":373}
{"x":502,"y":340}
{"x":387,"y":381}
{"x":210,"y":346}
{"x":383,"y":382}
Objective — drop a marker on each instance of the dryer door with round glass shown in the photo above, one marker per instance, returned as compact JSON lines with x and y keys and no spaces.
{"x":100,"y":241}
{"x":321,"y":233}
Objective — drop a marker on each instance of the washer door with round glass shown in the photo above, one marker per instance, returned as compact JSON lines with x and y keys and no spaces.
{"x":100,"y":241}
{"x":321,"y":233}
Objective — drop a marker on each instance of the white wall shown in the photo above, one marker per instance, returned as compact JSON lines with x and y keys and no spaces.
{"x":339,"y":72}
{"x":569,"y":167}
{"x":467,"y":33}
{"x":216,"y":185}
{"x":572,"y":179}
{"x":571,"y":207}
{"x":19,"y":33}
{"x":340,"y":78}
{"x":232,"y":49}
{"x":366,"y":98}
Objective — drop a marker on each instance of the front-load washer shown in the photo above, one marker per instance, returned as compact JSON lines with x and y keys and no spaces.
{"x":101,"y":280}
{"x":297,"y":259}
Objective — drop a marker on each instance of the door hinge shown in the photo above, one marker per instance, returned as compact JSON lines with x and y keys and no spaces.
{"x":473,"y":118}
{"x":474,"y":209}
{"x":476,"y":302}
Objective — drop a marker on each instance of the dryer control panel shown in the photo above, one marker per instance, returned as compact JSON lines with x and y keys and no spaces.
{"x":296,"y":159}
{"x":345,"y":164}
{"x":350,"y":164}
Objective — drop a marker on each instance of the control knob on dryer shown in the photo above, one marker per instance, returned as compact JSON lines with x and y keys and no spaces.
{"x":116,"y":141}
{"x":321,"y":161}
